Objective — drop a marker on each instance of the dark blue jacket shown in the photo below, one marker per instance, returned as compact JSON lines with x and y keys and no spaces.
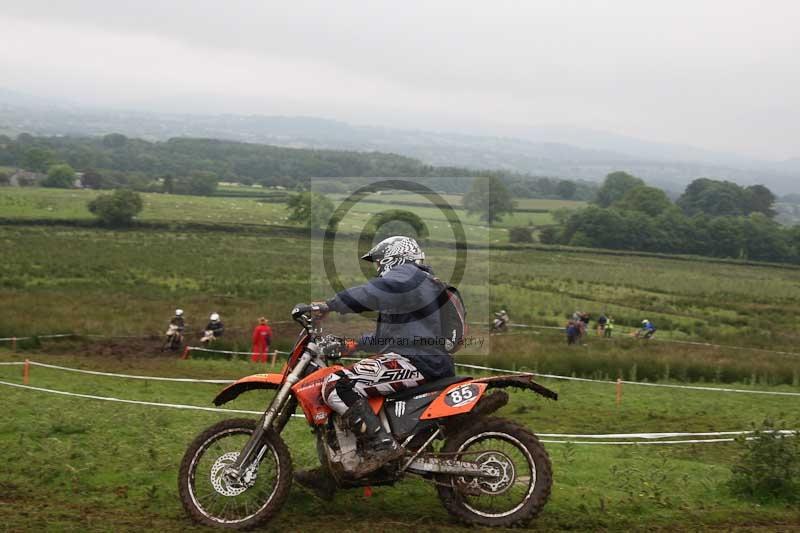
{"x":217,"y":327}
{"x":406,"y":298}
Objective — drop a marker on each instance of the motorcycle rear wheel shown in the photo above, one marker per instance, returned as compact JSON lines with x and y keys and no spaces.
{"x":212,"y":499}
{"x":522,"y":486}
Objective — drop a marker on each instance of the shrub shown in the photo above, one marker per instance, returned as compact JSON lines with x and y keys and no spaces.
{"x":5,"y":179}
{"x":26,"y":181}
{"x":117,"y":208}
{"x":311,"y":209}
{"x":520,"y":234}
{"x":550,"y":235}
{"x":59,"y":176}
{"x":395,"y":222}
{"x":769,"y":466}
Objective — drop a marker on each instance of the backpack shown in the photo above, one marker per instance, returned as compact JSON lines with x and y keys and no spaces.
{"x":453,"y":317}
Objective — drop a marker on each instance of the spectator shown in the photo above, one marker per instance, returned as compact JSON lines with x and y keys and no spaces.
{"x":602,"y":320}
{"x":581,"y":320}
{"x":609,"y":327}
{"x":573,"y":332}
{"x":262,"y":337}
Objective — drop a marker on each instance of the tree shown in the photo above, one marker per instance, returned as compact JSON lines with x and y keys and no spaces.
{"x":644,"y":199}
{"x":114,"y":140}
{"x":489,"y":197}
{"x":91,"y":179}
{"x":5,"y":179}
{"x":200,"y":183}
{"x":168,"y":185}
{"x":311,"y":209}
{"x":59,"y":176}
{"x":724,"y":198}
{"x":760,"y":200}
{"x":615,"y":186}
{"x":37,"y":159}
{"x":566,"y":189}
{"x":117,"y":208}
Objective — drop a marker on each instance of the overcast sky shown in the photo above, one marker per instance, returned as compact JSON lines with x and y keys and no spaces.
{"x":722,"y":75}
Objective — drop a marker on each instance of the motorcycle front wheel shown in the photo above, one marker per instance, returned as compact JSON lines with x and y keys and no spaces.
{"x":520,"y":485}
{"x":213,"y":496}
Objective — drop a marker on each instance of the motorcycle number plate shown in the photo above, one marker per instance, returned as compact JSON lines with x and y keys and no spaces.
{"x":462,"y":395}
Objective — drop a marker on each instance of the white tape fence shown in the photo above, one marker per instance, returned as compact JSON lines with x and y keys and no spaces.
{"x":458,"y":365}
{"x":590,"y":439}
{"x":562,"y":438}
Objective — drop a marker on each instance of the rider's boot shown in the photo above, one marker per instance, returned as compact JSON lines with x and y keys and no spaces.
{"x":379,"y":446}
{"x":319,"y":481}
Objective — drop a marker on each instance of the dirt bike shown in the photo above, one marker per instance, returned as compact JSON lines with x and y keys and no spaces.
{"x":487,"y":471}
{"x":500,"y":322}
{"x":208,"y":336}
{"x":174,"y":338}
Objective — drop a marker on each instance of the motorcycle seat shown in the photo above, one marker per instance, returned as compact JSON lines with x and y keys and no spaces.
{"x":431,"y":386}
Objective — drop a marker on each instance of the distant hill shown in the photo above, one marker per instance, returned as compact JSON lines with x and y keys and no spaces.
{"x":589,"y":155}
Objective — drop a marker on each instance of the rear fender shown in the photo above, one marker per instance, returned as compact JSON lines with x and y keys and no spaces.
{"x":520,"y":381}
{"x":256,"y":381}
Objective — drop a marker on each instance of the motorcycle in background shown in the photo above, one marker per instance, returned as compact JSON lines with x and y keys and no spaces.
{"x":208,"y":336}
{"x":174,"y":338}
{"x":500,"y":322}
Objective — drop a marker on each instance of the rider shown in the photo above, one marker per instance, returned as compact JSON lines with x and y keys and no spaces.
{"x":502,"y":317}
{"x":215,"y":325}
{"x":647,"y":330}
{"x":408,"y":343}
{"x":178,"y":321}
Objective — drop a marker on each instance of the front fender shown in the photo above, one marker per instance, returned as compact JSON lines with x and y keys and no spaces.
{"x":256,"y":381}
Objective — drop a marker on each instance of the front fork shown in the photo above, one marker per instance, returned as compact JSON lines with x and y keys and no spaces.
{"x":254,"y":445}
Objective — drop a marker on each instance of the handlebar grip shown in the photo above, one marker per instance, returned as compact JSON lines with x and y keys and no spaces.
{"x":299,"y":310}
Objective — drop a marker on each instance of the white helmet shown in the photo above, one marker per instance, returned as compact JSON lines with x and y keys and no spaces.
{"x":178,"y":312}
{"x":214,"y":317}
{"x":645,"y":321}
{"x":394,"y":251}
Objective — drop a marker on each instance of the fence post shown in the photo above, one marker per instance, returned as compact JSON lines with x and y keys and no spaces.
{"x":274,"y":357}
{"x":619,"y":391}
{"x":13,"y":344}
{"x":26,"y":370}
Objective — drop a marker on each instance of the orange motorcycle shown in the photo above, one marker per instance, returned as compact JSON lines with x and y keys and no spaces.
{"x":487,"y":471}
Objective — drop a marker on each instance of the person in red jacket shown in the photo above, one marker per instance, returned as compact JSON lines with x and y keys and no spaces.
{"x":262,"y":336}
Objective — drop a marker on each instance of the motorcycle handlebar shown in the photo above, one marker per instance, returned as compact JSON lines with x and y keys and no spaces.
{"x":318,"y":309}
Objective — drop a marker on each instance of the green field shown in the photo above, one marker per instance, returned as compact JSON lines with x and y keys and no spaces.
{"x":40,"y":203}
{"x":117,"y":469}
{"x":92,"y":465}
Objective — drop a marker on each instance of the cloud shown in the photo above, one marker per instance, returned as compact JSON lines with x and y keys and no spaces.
{"x":718,"y":74}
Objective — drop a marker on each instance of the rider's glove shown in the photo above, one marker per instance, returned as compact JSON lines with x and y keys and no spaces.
{"x":319,"y":309}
